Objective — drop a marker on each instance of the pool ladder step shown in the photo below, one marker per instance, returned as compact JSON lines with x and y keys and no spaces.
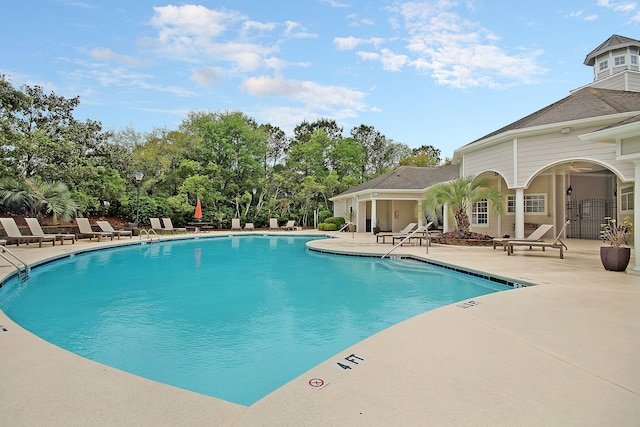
{"x":22,"y":267}
{"x":149,"y":235}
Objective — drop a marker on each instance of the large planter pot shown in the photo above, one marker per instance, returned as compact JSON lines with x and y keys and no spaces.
{"x":615,"y":258}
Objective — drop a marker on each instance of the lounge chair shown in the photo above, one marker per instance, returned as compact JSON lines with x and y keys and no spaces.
{"x":155,"y":225}
{"x":168,"y":226}
{"x":556,"y":244}
{"x":290,"y":225}
{"x":273,"y":224}
{"x":87,"y":231}
{"x":36,"y":230}
{"x":235,"y":224}
{"x":535,"y":236}
{"x":421,"y":233}
{"x":106,"y":226}
{"x":249,"y":226}
{"x":14,"y":234}
{"x":405,"y":231}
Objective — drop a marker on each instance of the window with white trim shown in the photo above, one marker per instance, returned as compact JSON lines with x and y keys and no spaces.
{"x":533,"y":204}
{"x":634,"y":60}
{"x":626,"y":199}
{"x":480,"y":212}
{"x":619,"y":60}
{"x":604,"y":65}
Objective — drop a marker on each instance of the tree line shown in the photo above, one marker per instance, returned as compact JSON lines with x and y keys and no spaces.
{"x":52,"y":164}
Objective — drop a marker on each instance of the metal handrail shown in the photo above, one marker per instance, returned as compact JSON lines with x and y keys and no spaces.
{"x":21,"y":266}
{"x":343,"y":227}
{"x":423,"y":229}
{"x":148,"y":233}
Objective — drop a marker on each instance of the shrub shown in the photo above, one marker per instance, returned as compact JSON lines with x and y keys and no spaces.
{"x":328,"y":226}
{"x":338,"y":221}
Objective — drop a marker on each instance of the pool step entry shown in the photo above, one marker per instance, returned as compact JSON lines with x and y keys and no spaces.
{"x":22,"y":267}
{"x":406,"y":264}
{"x":148,"y":234}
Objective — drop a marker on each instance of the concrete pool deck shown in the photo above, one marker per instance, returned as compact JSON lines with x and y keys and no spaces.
{"x":566,"y":352}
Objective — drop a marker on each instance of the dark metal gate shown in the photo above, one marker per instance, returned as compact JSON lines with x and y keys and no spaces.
{"x":587,"y":215}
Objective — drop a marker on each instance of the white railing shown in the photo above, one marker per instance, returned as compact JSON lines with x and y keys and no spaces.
{"x":148,"y":234}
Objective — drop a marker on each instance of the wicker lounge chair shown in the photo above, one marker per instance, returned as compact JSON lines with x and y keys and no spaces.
{"x":290,"y":225}
{"x":15,"y":236}
{"x":273,"y":224}
{"x":556,"y":244}
{"x":36,"y":230}
{"x":168,"y":226}
{"x":249,"y":226}
{"x":86,"y":231}
{"x":535,"y":236}
{"x":405,"y":231}
{"x":106,"y":226}
{"x":235,"y":224}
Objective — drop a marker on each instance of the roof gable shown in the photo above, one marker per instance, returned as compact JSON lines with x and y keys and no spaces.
{"x":407,"y":178}
{"x":588,"y":102}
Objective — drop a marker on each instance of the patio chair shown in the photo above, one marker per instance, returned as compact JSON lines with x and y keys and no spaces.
{"x":87,"y":231}
{"x":290,"y":225}
{"x":535,"y":236}
{"x":36,"y":230}
{"x":235,"y":224}
{"x":14,"y":234}
{"x":273,"y":224}
{"x":106,"y":226}
{"x":168,"y":226}
{"x":155,"y":225}
{"x":249,"y":226}
{"x":405,"y":231}
{"x":556,"y":244}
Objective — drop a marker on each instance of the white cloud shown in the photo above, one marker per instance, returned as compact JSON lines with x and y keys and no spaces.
{"x":106,"y":54}
{"x":350,"y":43}
{"x":618,"y":6}
{"x":455,"y":51}
{"x":206,"y":76}
{"x":313,"y":95}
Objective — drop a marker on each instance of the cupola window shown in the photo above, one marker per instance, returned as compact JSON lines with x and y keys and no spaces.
{"x":604,"y":65}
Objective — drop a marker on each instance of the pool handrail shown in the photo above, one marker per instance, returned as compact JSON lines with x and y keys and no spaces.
{"x":343,"y":227}
{"x":22,"y":267}
{"x":148,"y":233}
{"x":422,"y":229}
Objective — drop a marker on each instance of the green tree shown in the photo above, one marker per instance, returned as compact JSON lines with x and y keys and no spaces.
{"x":425,"y":156}
{"x":35,"y":198}
{"x":459,"y":195}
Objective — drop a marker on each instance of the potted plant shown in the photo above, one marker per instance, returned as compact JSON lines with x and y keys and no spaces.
{"x":615,"y":257}
{"x":351,"y":216}
{"x":376,"y":229}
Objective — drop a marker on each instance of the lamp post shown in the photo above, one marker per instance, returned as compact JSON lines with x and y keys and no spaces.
{"x":139,"y":176}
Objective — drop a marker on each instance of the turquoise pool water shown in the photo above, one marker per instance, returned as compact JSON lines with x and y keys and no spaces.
{"x":234,"y":317}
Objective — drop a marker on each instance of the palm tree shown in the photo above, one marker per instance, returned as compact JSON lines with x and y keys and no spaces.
{"x":36,"y":198}
{"x":459,"y":195}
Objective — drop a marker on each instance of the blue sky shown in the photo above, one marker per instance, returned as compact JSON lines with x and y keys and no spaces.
{"x":442,"y":73}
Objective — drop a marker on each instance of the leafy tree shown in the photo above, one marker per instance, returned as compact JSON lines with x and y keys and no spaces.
{"x":459,"y":195}
{"x":425,"y":156}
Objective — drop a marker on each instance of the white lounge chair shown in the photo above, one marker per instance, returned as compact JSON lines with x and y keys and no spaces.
{"x":235,"y":224}
{"x":85,"y":230}
{"x":290,"y":225}
{"x":168,"y":226}
{"x":404,"y":231}
{"x":535,"y":236}
{"x":249,"y":226}
{"x":556,"y":244}
{"x":14,"y":234}
{"x":36,"y":230}
{"x":106,"y":226}
{"x":273,"y":224}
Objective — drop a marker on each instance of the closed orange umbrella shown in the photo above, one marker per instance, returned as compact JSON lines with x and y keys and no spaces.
{"x":198,"y":213}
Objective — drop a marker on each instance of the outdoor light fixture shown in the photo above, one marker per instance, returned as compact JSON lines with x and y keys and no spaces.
{"x":569,"y":191}
{"x":139,"y":176}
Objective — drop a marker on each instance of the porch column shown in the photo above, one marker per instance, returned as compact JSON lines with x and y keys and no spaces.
{"x":420,"y":214}
{"x":519,"y":213}
{"x":445,"y":218}
{"x":636,"y":221}
{"x":374,"y":213}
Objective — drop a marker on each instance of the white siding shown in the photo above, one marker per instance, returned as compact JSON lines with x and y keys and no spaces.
{"x":630,"y":146}
{"x":497,"y":158}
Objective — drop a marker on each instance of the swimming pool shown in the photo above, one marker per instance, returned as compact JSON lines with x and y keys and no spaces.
{"x":234,"y":317}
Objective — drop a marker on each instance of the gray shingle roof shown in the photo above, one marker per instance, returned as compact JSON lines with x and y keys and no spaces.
{"x":613,"y":42}
{"x":407,"y":178}
{"x":585,"y":103}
